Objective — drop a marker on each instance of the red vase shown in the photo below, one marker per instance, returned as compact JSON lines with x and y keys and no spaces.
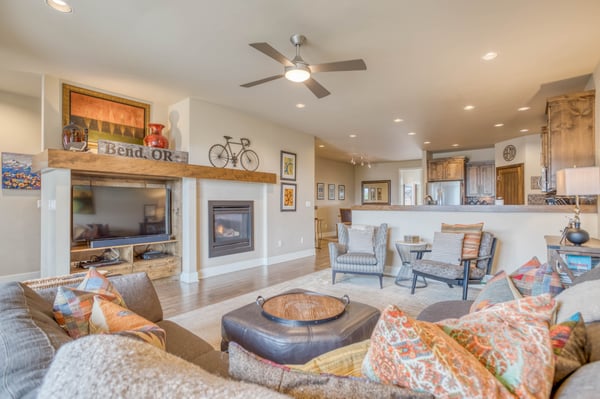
{"x":155,"y":138}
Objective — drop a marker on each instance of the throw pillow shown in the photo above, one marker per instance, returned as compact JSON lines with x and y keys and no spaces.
{"x":583,"y":297}
{"x":568,"y":342}
{"x":447,"y":247}
{"x":108,"y":317}
{"x":73,"y":306}
{"x":546,"y":280}
{"x":420,"y":356}
{"x":524,"y":276}
{"x":360,"y":240}
{"x":344,"y":361}
{"x":512,"y":341}
{"x":497,"y":290}
{"x":249,"y":367}
{"x":472,"y":239}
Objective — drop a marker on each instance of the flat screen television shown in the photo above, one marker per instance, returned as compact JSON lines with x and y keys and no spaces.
{"x":103,"y":216}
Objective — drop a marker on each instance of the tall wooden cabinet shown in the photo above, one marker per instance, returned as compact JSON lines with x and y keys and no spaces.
{"x":568,"y":140}
{"x":481,"y":179}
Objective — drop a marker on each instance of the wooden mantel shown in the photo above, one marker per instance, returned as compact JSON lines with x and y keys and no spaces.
{"x":89,"y":163}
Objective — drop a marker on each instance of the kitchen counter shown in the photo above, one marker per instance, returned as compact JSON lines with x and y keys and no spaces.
{"x":479,"y":208}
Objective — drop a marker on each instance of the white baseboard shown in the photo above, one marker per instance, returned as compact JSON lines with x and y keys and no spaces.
{"x":291,"y":256}
{"x":19,"y":277}
{"x":191,"y":277}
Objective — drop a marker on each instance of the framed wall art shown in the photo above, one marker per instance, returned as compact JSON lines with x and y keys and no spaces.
{"x":17,"y":174}
{"x":288,"y":166}
{"x":331,"y":191}
{"x":105,"y":116}
{"x":341,"y":192}
{"x":376,"y":192}
{"x":288,"y":197}
{"x":320,"y":191}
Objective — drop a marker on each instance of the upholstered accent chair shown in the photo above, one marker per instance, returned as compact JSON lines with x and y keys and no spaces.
{"x":447,"y":263}
{"x":359,"y":250}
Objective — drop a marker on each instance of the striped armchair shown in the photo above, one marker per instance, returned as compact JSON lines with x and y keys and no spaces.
{"x":362,"y":261}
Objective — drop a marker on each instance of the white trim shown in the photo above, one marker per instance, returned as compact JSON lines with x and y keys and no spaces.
{"x":290,"y":256}
{"x":19,"y":277}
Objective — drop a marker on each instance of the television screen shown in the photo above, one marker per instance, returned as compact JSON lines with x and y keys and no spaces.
{"x":105,"y":212}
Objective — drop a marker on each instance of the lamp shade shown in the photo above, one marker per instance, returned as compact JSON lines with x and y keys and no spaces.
{"x":578,"y":181}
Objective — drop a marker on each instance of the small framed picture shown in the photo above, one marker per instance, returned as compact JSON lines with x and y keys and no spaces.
{"x":288,"y":197}
{"x":320,"y":191}
{"x":341,"y":192}
{"x":331,"y":191}
{"x":288,"y":166}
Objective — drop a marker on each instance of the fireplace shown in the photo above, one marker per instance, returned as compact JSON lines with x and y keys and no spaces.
{"x":231,"y":227}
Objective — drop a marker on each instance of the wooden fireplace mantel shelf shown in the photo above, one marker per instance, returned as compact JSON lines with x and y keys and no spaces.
{"x":89,"y":163}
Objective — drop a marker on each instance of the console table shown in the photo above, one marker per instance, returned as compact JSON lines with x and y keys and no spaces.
{"x":556,"y":249}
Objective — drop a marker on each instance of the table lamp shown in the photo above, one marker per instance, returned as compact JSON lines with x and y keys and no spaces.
{"x":578,"y":181}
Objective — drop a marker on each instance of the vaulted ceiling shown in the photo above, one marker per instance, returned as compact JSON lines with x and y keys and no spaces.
{"x":423,"y":62}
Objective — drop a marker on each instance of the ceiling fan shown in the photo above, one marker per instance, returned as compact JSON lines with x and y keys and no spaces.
{"x":298,"y":70}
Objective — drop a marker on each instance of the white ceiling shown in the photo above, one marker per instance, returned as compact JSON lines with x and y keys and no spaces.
{"x":423,"y":62}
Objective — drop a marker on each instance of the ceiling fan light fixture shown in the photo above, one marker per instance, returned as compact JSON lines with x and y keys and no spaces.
{"x":59,"y":5}
{"x":297,"y":73}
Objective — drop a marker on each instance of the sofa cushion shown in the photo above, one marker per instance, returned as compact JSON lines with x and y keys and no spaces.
{"x":108,"y":317}
{"x":344,"y":361}
{"x":569,"y":344}
{"x":512,"y":340}
{"x":524,"y":276}
{"x":497,"y":290}
{"x":249,"y":367}
{"x":472,"y":232}
{"x":356,"y":258}
{"x":582,"y":384}
{"x":360,"y":240}
{"x":98,"y":283}
{"x":420,"y":356}
{"x":29,"y":338}
{"x":592,"y":347}
{"x":110,"y":366}
{"x":546,"y":280}
{"x":584,"y":298}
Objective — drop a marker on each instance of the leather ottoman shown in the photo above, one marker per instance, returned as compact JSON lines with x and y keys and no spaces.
{"x":296,"y":344}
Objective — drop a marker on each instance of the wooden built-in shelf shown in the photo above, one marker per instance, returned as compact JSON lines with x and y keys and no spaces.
{"x":89,"y":163}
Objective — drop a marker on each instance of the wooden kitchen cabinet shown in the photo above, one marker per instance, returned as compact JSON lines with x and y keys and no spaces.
{"x":481,"y":179}
{"x":446,"y":169}
{"x":568,"y":140}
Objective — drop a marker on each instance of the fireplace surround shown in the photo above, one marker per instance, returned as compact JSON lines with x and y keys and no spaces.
{"x":230,"y":227}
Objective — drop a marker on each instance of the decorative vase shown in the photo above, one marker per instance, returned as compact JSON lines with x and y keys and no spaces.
{"x":577,"y":236}
{"x":74,"y":137}
{"x":155,"y":138}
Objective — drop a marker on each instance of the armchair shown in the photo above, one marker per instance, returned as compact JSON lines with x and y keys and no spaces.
{"x":463,"y":271}
{"x":357,"y":255}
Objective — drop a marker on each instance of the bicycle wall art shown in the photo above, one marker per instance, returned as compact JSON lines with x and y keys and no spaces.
{"x":220,"y":155}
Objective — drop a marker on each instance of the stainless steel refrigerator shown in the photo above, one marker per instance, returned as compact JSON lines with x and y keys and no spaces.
{"x":446,"y":192}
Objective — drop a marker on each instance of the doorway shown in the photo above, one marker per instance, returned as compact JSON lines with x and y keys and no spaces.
{"x":510,"y":184}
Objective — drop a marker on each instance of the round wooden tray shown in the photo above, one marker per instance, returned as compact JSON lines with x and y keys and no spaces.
{"x":303,"y":308}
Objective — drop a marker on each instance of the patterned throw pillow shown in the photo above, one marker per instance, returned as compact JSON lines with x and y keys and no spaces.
{"x":497,"y":290}
{"x":524,"y":276}
{"x":73,"y":306}
{"x":512,"y":341}
{"x":344,"y":361}
{"x":568,"y":342}
{"x":420,"y":356}
{"x":546,"y":280}
{"x":472,"y":237}
{"x":108,"y":317}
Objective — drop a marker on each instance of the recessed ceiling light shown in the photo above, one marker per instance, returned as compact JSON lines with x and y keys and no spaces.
{"x":398,"y":120}
{"x":411,"y":133}
{"x":524,"y":130}
{"x":455,"y":145}
{"x":427,"y":142}
{"x":321,"y":146}
{"x":499,"y":125}
{"x":523,"y":109}
{"x":300,"y":105}
{"x":59,"y":5}
{"x":352,"y":136}
{"x":489,"y":56}
{"x":468,"y":107}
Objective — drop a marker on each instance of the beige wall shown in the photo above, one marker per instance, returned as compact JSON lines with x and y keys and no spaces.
{"x":383,"y":171}
{"x":333,"y":172}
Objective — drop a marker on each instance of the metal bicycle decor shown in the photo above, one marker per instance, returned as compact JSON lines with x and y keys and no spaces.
{"x":219,"y":155}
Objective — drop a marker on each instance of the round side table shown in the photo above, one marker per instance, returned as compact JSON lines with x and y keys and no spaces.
{"x":405,"y":272}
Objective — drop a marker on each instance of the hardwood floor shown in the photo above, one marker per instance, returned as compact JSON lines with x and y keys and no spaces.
{"x":177,"y":297}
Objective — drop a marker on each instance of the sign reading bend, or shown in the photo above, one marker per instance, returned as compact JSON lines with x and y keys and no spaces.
{"x":141,"y":152}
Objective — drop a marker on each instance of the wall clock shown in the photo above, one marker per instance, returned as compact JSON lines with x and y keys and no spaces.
{"x":509,"y":153}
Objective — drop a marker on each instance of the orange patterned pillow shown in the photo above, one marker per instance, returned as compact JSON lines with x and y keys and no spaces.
{"x":472,"y":237}
{"x":420,"y":356}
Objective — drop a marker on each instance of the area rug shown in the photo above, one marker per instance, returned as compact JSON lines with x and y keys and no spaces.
{"x":206,"y":321}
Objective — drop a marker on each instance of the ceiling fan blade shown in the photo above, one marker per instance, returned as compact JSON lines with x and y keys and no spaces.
{"x":316,"y":88}
{"x":266,"y":48}
{"x":265,"y":80}
{"x":350,"y":65}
